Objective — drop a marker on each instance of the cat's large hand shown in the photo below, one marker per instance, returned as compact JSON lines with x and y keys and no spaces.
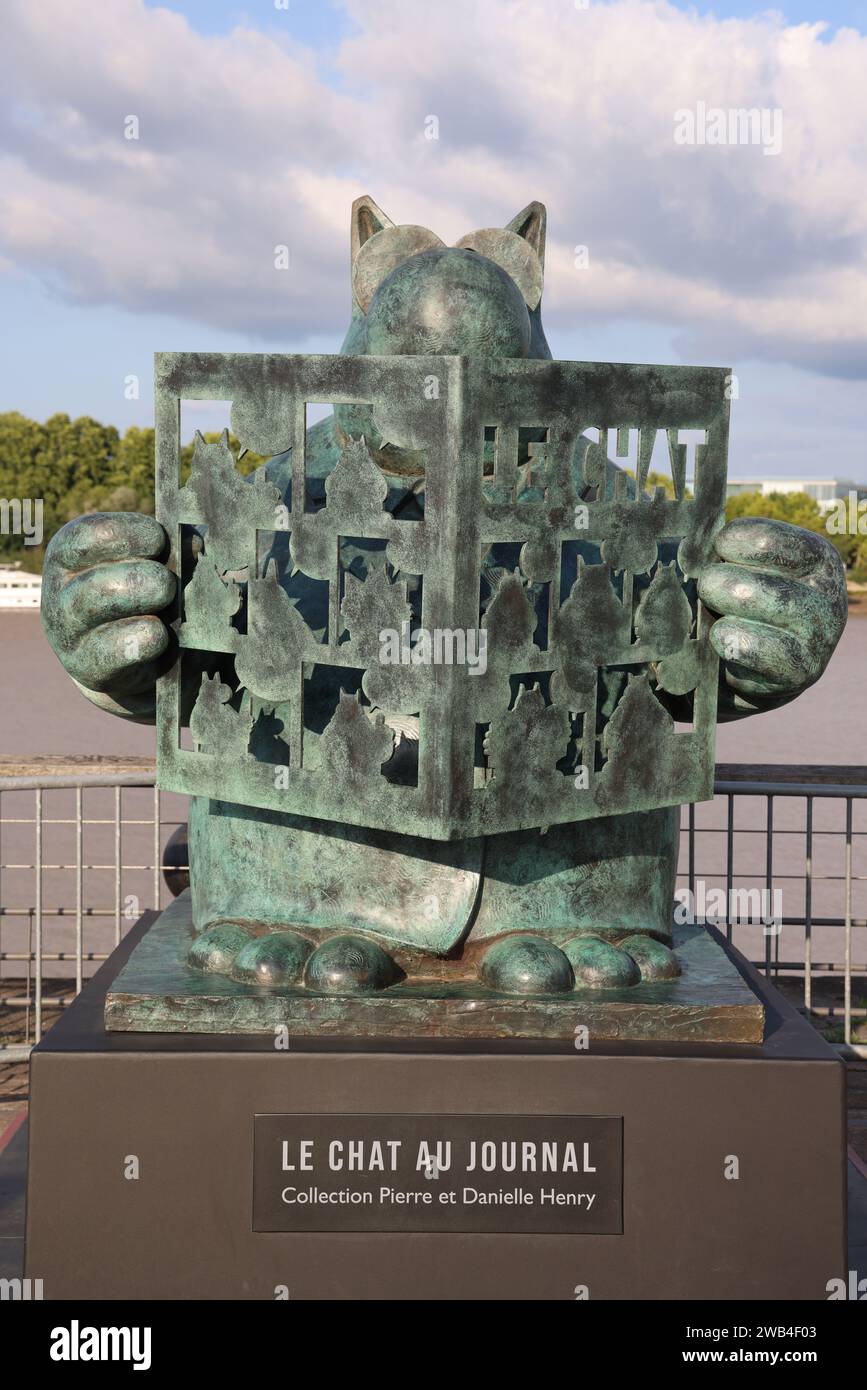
{"x":102,"y":589}
{"x":780,"y":592}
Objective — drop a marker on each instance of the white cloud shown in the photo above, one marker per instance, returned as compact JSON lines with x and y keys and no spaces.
{"x":244,"y":146}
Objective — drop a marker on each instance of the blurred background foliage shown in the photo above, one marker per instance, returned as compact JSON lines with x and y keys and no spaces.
{"x":79,"y":466}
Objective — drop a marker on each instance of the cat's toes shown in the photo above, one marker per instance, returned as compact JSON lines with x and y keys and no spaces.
{"x":599,"y":964}
{"x":216,"y":948}
{"x":276,"y":959}
{"x":232,"y":948}
{"x":350,"y":965}
{"x":655,"y":961}
{"x":526,"y":965}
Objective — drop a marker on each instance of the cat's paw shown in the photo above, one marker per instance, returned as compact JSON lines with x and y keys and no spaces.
{"x":526,"y":964}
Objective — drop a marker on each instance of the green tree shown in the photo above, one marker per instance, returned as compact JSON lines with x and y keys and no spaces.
{"x":79,"y":466}
{"x":77,"y":457}
{"x":21,"y":445}
{"x":51,"y":462}
{"x":135,"y":466}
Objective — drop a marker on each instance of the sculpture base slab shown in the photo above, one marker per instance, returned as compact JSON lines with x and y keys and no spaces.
{"x":158,"y":992}
{"x":201,"y":1114}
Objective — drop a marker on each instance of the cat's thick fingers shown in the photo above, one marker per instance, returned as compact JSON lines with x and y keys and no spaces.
{"x":737,"y":591}
{"x":761,"y":659}
{"x":774,"y":546}
{"x":126,"y":589}
{"x":103,"y":537}
{"x":119,"y":656}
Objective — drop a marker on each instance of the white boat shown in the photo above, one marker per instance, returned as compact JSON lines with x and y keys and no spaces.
{"x":18,"y":589}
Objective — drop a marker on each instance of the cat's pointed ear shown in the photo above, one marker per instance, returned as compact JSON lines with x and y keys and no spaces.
{"x":367,"y":219}
{"x":531,"y":224}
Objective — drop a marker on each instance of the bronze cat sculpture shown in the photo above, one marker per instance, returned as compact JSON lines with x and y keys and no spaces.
{"x":343,"y":909}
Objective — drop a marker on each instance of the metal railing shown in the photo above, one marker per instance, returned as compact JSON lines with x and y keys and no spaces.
{"x":833,"y":905}
{"x":51,"y":941}
{"x":51,"y":938}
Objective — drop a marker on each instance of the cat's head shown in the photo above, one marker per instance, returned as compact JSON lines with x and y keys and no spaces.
{"x":412,"y":294}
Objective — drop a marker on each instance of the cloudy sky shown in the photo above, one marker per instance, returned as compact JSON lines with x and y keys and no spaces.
{"x":257,"y":126}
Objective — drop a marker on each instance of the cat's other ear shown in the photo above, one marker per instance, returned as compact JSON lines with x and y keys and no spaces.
{"x":531,"y":224}
{"x":366,"y":219}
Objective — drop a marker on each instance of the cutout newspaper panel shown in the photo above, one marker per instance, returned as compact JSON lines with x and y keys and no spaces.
{"x":497,"y":644}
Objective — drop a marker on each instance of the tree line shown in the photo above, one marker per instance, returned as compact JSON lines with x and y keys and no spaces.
{"x":78,"y":466}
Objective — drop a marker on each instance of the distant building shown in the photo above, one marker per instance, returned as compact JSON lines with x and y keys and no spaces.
{"x":824,"y":491}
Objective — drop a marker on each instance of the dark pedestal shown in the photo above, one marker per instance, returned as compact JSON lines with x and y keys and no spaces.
{"x":185,"y":1108}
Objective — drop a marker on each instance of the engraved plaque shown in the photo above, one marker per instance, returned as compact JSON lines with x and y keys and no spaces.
{"x":511,"y":1173}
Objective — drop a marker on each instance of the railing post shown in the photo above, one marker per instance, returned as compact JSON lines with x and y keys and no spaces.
{"x":808,"y":910}
{"x":79,"y":890}
{"x":847,"y":960}
{"x":38,"y":904}
{"x":769,"y":877}
{"x":730,"y":855}
{"x":157,"y":855}
{"x":117,"y":866}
